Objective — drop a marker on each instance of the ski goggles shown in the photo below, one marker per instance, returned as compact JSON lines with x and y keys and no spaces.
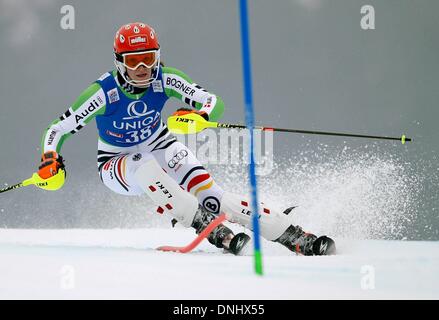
{"x":146,"y":58}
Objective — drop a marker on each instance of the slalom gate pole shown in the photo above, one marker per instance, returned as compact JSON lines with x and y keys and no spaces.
{"x":249,"y":117}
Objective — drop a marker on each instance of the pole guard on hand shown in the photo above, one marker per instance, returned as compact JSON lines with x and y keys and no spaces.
{"x":53,"y":183}
{"x":189,"y":123}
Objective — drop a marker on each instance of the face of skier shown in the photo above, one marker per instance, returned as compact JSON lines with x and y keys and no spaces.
{"x":142,"y":73}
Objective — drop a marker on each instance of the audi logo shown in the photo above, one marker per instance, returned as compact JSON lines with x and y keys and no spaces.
{"x":177,"y":158}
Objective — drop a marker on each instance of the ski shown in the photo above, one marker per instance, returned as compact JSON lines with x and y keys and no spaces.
{"x":198,"y":239}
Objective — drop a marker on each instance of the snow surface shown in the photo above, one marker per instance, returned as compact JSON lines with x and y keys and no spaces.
{"x":123,"y":264}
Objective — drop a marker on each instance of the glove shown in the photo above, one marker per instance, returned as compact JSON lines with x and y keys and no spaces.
{"x":51,"y":162}
{"x":183,"y":111}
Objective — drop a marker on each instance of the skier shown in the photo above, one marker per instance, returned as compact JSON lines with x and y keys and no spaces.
{"x":138,"y":155}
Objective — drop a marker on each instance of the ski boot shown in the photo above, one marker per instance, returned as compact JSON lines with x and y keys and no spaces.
{"x":300,"y":242}
{"x":221,"y":236}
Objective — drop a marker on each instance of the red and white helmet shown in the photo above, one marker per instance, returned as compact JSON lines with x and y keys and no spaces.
{"x":136,"y":44}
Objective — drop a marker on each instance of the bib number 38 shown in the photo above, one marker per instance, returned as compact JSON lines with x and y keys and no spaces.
{"x":138,"y":135}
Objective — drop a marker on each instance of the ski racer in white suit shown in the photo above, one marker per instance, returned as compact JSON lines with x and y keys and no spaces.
{"x":138,"y":155}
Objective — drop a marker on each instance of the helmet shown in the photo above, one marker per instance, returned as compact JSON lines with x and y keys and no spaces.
{"x":136,"y":44}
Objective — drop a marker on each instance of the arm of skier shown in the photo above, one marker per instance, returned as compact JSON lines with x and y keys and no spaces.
{"x":89,"y":104}
{"x":179,"y":85}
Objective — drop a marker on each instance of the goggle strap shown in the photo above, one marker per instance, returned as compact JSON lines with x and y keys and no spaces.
{"x":118,"y":57}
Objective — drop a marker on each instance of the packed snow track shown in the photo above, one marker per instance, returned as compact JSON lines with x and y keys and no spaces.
{"x":123,"y":264}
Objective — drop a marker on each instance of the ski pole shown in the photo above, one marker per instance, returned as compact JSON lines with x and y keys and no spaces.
{"x":52,"y":183}
{"x":18,"y":185}
{"x":194,"y":123}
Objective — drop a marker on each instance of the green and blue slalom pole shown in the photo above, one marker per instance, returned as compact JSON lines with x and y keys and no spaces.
{"x":249,"y":119}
